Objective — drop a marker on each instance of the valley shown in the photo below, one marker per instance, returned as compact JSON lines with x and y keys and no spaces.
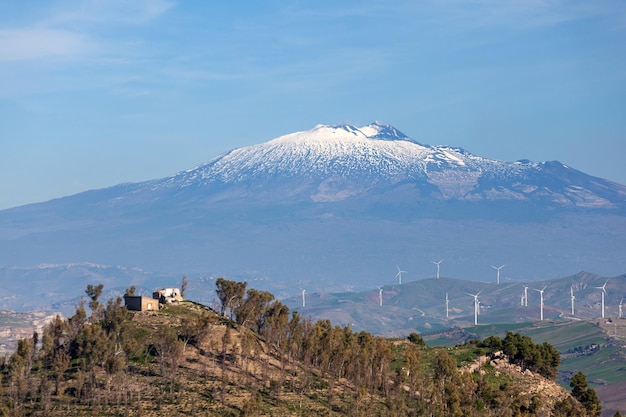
{"x":325,"y":219}
{"x":185,"y":358}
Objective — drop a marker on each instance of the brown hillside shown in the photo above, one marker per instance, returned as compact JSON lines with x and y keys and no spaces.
{"x":187,"y":360}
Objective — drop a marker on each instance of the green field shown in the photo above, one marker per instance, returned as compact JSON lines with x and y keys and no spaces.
{"x":585,"y":346}
{"x":568,"y":335}
{"x":605,"y":366}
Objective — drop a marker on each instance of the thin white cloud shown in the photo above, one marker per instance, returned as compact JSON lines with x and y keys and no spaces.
{"x":512,"y":14}
{"x":111,"y":12}
{"x":68,"y":33}
{"x":524,"y":14}
{"x":40,"y":42}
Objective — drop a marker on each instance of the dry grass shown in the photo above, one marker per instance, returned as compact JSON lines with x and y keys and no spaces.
{"x":231,"y":372}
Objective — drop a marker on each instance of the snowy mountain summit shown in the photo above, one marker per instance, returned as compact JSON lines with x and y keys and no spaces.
{"x":339,"y":162}
{"x":340,"y":206}
{"x":342,"y":150}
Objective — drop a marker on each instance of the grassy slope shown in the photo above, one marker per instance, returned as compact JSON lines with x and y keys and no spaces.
{"x":605,"y":365}
{"x":243,"y":381}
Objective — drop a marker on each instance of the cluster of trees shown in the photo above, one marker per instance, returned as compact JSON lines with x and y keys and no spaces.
{"x":366,"y":361}
{"x":86,"y":343}
{"x":359,"y":374}
{"x":586,"y":395}
{"x":335,"y":351}
{"x":373,"y":366}
{"x":543,"y":358}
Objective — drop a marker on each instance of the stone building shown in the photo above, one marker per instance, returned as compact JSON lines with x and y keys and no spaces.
{"x":140,"y":303}
{"x":162,"y":296}
{"x":167,"y":295}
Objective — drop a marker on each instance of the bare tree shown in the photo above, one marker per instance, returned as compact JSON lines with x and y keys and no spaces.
{"x":60,"y":364}
{"x":170,"y":352}
{"x":94,"y":292}
{"x":130,"y":291}
{"x":184,"y":282}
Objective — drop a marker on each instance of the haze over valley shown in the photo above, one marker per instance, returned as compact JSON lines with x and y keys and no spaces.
{"x":336,"y":208}
{"x":351,"y":208}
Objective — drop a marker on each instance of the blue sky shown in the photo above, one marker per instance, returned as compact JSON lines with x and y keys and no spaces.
{"x":95,"y":93}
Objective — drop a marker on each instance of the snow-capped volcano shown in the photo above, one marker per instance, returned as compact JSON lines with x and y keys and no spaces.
{"x":333,"y":163}
{"x":345,"y":150}
{"x":338,"y":206}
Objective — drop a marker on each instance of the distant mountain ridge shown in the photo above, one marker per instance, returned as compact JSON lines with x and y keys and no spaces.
{"x":339,"y":206}
{"x":421,"y":305}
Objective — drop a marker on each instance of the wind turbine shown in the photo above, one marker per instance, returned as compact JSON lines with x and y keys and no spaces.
{"x":476,"y":304}
{"x":399,"y":275}
{"x":541,"y":297}
{"x":380,"y":296}
{"x":571,"y":292}
{"x":448,"y":303}
{"x":498,"y":268}
{"x":603,"y":288}
{"x":525,"y":295}
{"x":620,"y":308}
{"x":303,"y":299}
{"x":437,"y":263}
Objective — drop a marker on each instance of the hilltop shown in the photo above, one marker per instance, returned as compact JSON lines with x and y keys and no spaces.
{"x":186,"y":359}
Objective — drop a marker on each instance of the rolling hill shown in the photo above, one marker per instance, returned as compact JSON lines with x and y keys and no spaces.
{"x":187,"y":360}
{"x":421,"y":305}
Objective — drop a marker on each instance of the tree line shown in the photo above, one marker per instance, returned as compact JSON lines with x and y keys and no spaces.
{"x":356,"y":373}
{"x":364,"y":359}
